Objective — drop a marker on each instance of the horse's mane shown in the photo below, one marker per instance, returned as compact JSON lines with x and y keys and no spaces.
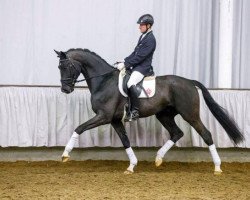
{"x":88,"y":51}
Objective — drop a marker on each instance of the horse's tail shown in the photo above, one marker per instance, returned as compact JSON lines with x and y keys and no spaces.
{"x":221,"y":115}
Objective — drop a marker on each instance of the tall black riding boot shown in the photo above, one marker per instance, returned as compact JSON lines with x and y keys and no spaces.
{"x":134,"y":112}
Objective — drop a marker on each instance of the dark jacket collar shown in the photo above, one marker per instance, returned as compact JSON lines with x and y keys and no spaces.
{"x":147,"y":34}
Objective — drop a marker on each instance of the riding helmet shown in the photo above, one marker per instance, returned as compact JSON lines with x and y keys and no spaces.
{"x":146,"y":19}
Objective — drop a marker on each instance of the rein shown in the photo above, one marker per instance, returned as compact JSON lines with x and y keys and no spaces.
{"x":74,"y":80}
{"x":77,"y":81}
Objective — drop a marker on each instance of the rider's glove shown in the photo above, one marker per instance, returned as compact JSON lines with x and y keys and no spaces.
{"x":119,"y":65}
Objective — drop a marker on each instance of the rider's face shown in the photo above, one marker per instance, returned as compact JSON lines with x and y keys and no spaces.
{"x":143,"y":27}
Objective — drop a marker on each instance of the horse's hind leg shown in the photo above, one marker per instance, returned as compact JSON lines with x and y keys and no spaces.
{"x":190,"y":113}
{"x":207,"y":137}
{"x":166,"y":118}
{"x":188,"y":106}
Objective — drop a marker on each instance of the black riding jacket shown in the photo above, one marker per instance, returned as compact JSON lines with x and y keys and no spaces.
{"x":142,"y":56}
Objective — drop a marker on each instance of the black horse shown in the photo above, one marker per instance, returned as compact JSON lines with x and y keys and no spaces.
{"x":174,"y":95}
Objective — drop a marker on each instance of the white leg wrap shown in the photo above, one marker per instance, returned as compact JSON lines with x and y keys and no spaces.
{"x":163,"y":150}
{"x":71,"y":143}
{"x":135,"y":78}
{"x":132,"y":158}
{"x":131,"y":168}
{"x":215,"y":156}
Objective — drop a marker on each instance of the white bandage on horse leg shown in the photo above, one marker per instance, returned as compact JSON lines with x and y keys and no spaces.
{"x":132,"y":158}
{"x":71,"y":143}
{"x":215,"y":156}
{"x":163,"y":150}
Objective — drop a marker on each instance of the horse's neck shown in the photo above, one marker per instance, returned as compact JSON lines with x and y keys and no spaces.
{"x":93,"y":65}
{"x":95,"y":71}
{"x":103,"y":83}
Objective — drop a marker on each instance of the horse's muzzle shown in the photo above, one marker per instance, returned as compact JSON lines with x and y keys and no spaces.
{"x":67,"y":91}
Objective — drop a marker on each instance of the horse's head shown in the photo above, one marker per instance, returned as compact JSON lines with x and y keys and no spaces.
{"x":69,"y":70}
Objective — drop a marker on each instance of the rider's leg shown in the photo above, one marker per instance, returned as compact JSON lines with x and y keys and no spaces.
{"x":135,"y":78}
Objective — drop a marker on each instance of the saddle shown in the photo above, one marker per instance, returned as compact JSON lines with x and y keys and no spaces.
{"x":145,"y":88}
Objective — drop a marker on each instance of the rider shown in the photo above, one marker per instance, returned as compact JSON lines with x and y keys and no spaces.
{"x":138,"y":63}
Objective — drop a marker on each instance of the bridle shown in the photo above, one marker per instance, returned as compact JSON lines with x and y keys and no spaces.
{"x":72,"y":69}
{"x":72,"y":80}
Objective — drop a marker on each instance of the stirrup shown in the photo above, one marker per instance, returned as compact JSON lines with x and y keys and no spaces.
{"x":127,"y":117}
{"x":134,"y":115}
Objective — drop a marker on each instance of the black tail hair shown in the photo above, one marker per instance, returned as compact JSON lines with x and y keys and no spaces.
{"x":221,"y":115}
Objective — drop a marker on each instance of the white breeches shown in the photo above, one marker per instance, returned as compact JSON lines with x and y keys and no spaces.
{"x":135,"y":78}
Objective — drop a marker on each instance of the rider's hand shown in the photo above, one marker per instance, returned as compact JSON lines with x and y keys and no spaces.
{"x":120,"y":65}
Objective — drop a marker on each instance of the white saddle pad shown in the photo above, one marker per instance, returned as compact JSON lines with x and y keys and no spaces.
{"x":148,"y":84}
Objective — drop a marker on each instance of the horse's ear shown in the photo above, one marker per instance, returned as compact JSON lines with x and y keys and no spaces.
{"x":61,"y":54}
{"x":57,"y":52}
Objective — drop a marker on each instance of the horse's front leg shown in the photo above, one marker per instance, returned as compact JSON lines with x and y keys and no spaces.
{"x":119,"y":128}
{"x":98,"y":120}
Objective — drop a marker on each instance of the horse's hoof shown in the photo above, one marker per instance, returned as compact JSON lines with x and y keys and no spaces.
{"x":219,"y":172}
{"x":65,"y":158}
{"x":158,"y":161}
{"x":128,"y":172}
